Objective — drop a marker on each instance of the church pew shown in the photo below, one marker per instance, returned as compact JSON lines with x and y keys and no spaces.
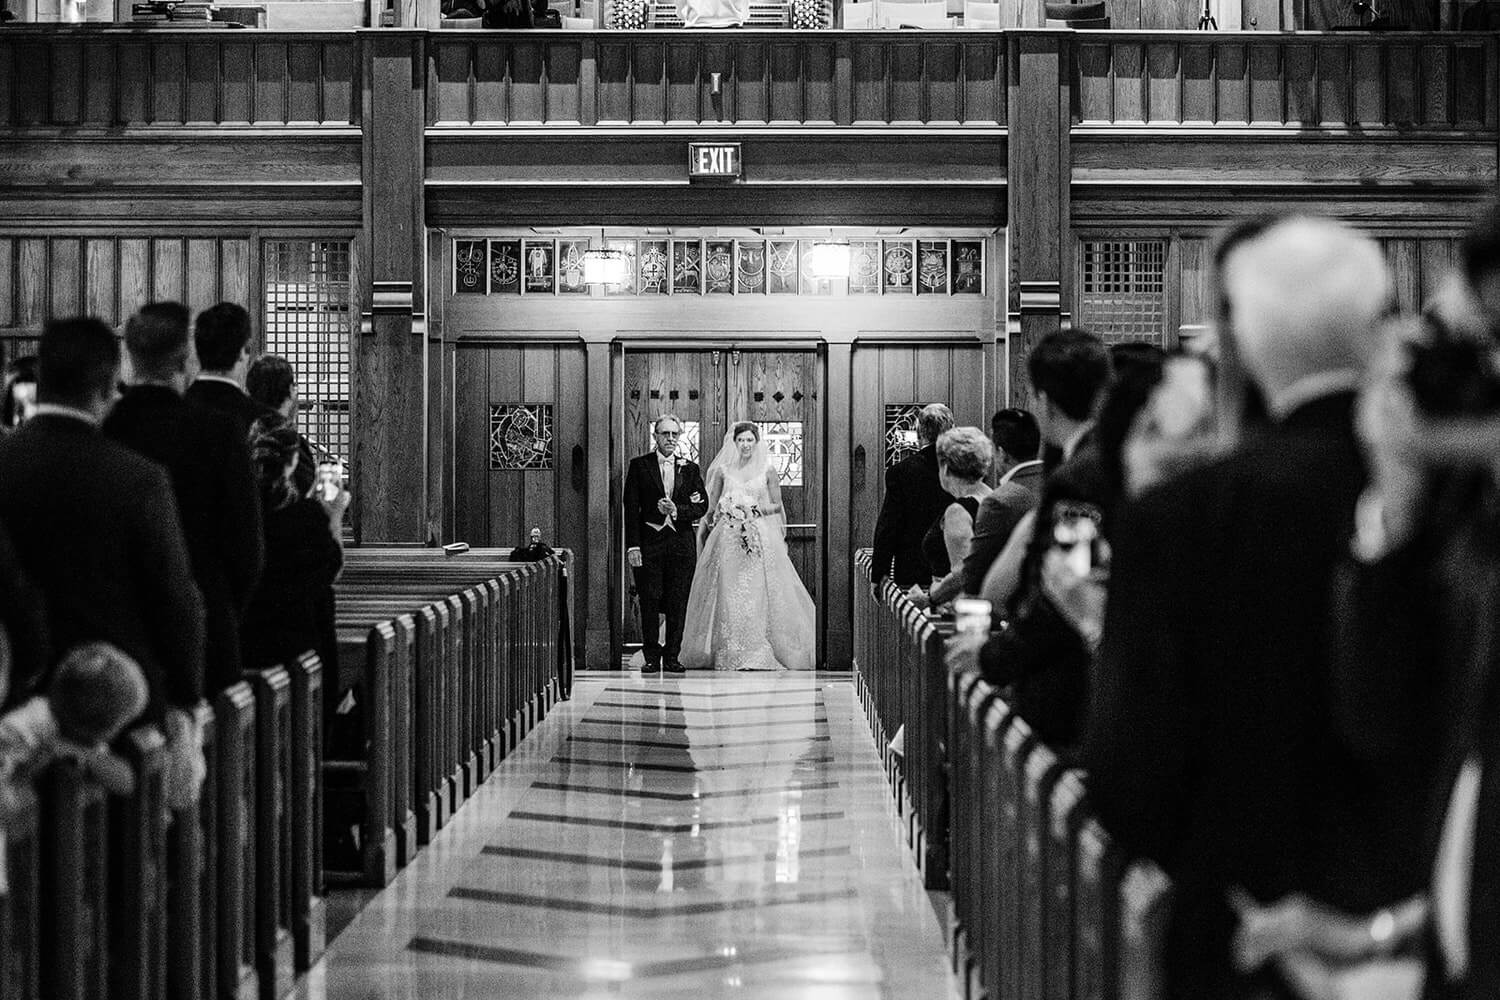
{"x":137,"y":873}
{"x":1145,"y":899}
{"x":1096,"y":915}
{"x":274,"y":950}
{"x":1067,"y":811}
{"x":74,"y":879}
{"x":235,"y":742}
{"x":20,"y":918}
{"x":1039,"y":773}
{"x":190,"y":895}
{"x":308,"y":910}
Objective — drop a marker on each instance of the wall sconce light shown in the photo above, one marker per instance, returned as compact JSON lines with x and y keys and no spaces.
{"x":828,"y":260}
{"x":604,"y":267}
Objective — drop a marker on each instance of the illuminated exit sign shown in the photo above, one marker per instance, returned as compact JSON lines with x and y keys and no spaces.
{"x":713,"y":159}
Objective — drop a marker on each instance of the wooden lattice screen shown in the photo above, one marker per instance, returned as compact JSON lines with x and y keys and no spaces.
{"x":1122,"y":294}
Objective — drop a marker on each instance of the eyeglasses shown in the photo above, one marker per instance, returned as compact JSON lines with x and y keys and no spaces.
{"x":668,"y":434}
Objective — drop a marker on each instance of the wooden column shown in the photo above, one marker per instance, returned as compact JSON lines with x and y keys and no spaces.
{"x":390,"y":442}
{"x":598,"y":589}
{"x":838,"y":614}
{"x":1040,"y":237}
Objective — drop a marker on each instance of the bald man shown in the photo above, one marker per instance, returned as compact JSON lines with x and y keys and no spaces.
{"x":1211,"y":743}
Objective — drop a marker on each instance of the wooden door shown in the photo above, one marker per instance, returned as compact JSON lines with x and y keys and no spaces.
{"x":890,"y":382}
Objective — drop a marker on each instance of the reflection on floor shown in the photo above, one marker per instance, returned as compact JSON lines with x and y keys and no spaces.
{"x":681,"y":836}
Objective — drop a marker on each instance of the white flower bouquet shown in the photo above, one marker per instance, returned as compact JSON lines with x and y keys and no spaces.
{"x":742,"y":513}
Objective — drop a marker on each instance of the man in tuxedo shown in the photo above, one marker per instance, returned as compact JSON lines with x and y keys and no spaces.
{"x":208,"y":460}
{"x":913,"y":500}
{"x":23,"y":619}
{"x":221,"y":336}
{"x":95,"y":525}
{"x":664,"y":497}
{"x":1211,"y":743}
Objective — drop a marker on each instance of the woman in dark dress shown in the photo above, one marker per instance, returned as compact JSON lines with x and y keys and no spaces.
{"x":304,"y":554}
{"x":965,"y":455}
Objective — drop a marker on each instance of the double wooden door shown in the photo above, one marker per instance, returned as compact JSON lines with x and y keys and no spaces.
{"x":710,"y":390}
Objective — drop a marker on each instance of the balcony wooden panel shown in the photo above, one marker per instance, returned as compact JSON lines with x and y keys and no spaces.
{"x":682,"y":81}
{"x":943,"y":83}
{"x":1164,"y":77}
{"x":528,"y":84}
{"x":752,"y":90}
{"x":984,"y":80}
{"x":819,"y":80}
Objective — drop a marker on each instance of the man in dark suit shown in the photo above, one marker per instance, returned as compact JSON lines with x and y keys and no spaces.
{"x":209,"y":462}
{"x":664,"y":497}
{"x":221,"y":336}
{"x":23,"y":618}
{"x":1211,"y":743}
{"x":914,"y":499}
{"x":1018,"y":442}
{"x":96,"y":526}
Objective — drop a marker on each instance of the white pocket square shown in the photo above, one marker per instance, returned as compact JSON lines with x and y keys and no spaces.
{"x":696,"y":498}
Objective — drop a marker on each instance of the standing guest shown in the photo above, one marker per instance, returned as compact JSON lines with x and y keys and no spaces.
{"x":914,"y":498}
{"x":221,"y":336}
{"x":1211,"y":742}
{"x":965,"y":457}
{"x":95,"y":525}
{"x":664,"y":495}
{"x":304,"y":554}
{"x":272,"y":382}
{"x":1018,"y":442}
{"x":23,"y":618}
{"x":209,"y":462}
{"x":19,"y":400}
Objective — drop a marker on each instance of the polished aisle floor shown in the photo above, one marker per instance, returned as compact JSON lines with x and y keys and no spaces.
{"x":697,"y":836}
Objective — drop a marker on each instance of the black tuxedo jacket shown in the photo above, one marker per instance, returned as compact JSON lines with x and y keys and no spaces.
{"x":209,"y":462}
{"x":913,"y":500}
{"x":23,"y":614}
{"x":96,"y":529}
{"x":643,"y":488}
{"x":222,"y":396}
{"x":1212,"y":745}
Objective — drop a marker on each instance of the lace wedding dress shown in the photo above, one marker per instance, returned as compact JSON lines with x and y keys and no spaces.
{"x":748,"y":609}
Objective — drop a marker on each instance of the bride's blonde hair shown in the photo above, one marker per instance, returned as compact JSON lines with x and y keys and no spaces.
{"x":743,"y":426}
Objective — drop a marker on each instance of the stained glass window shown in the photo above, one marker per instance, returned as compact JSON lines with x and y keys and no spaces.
{"x":784,"y":439}
{"x":653,"y":267}
{"x":901,"y":431}
{"x":932,"y":267}
{"x":520,"y":436}
{"x":718,"y":266}
{"x":468,"y":267}
{"x":537,"y":260}
{"x":687,"y":267}
{"x":626,"y":287}
{"x":570,"y":267}
{"x":505,"y":267}
{"x":783,"y":267}
{"x":750,"y":266}
{"x":864,"y":267}
{"x":900,"y":265}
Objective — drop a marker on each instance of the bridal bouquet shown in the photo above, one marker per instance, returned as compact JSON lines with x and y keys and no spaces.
{"x":742,"y":512}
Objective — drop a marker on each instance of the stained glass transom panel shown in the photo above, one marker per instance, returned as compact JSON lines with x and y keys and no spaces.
{"x":520,"y":437}
{"x":901,"y":431}
{"x":784,"y":440}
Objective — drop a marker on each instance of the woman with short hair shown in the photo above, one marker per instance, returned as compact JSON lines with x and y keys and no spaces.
{"x":965,"y":456}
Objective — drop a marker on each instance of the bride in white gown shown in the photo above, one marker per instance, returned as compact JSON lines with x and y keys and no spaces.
{"x":748,"y":609}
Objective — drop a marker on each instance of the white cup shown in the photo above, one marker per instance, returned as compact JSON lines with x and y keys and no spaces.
{"x":972,"y":615}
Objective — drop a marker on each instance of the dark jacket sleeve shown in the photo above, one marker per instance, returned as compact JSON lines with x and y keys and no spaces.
{"x":893,"y":507}
{"x":240,"y":532}
{"x":1136,"y":743}
{"x":691,"y":511}
{"x":23,"y":614}
{"x":633,"y":506}
{"x":998,"y":516}
{"x":174,"y":607}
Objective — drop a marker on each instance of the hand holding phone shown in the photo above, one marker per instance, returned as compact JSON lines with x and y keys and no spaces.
{"x":330,"y":481}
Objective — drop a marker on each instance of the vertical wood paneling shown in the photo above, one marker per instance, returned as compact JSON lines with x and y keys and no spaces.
{"x":452,"y":84}
{"x":135,"y":275}
{"x":99,"y":83}
{"x":234,"y":278}
{"x":786,"y":81}
{"x":984,"y":87}
{"x":238,"y":100}
{"x":820,"y":81}
{"x":1261,"y":15}
{"x":682,"y":82}
{"x":564,"y":68}
{"x":718,"y":57}
{"x":1302,"y":85}
{"x":869,"y":81}
{"x":752,"y":92}
{"x":32,"y":101}
{"x":1129,"y":73}
{"x":202,"y":82}
{"x":100,"y":273}
{"x":489,"y":87}
{"x":943,"y":89}
{"x":202,"y":274}
{"x":1193,"y":289}
{"x":305,"y":74}
{"x":1198,"y":98}
{"x":67,"y":83}
{"x":169,"y":70}
{"x":339,"y":92}
{"x":1400,"y":81}
{"x":32,"y":274}
{"x":506,"y":488}
{"x":7,"y":280}
{"x":542,"y":490}
{"x":1405,"y":259}
{"x":1234,"y":85}
{"x":1265,"y":85}
{"x":906,"y":89}
{"x":1434,"y":81}
{"x":647,"y":90}
{"x":613,"y":81}
{"x":1096,"y":91}
{"x":65,"y":268}
{"x":133,"y":60}
{"x":167,"y":270}
{"x":471,"y":486}
{"x":270,"y":82}
{"x":1470,"y":93}
{"x":1333,"y":84}
{"x":1163,"y":87}
{"x":528,"y":85}
{"x":1369,"y":84}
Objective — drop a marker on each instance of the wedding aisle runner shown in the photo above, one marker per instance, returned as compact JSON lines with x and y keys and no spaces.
{"x":695,"y":836}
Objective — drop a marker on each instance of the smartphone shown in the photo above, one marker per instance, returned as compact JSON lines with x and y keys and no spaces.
{"x":1075,"y":530}
{"x":330,"y":480}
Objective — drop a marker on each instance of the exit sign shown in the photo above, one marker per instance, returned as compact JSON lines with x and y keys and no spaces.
{"x":713,"y":159}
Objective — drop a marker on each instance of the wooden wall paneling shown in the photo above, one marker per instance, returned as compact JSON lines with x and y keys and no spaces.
{"x":1169,"y":15}
{"x":1125,"y":15}
{"x":1194,"y":305}
{"x":237,"y":94}
{"x":819,"y":81}
{"x":168,"y":74}
{"x":506,"y":511}
{"x":866,"y":417}
{"x":752,"y":92}
{"x":451,"y":87}
{"x":648,"y":82}
{"x":1404,"y":256}
{"x":717,"y":57}
{"x":1400,"y":83}
{"x":235,"y":274}
{"x":571,"y":425}
{"x":785,"y":72}
{"x":841,"y":497}
{"x":1199,"y":100}
{"x":1434,"y":81}
{"x":1335,"y":82}
{"x":471,"y":434}
{"x":202,"y":74}
{"x":612,"y":74}
{"x":1163,"y":82}
{"x":32,"y":102}
{"x":66,"y":268}
{"x":984,"y":83}
{"x":944,"y":89}
{"x":168,"y":270}
{"x":564,"y":79}
{"x":1267,"y":100}
{"x":33,"y":304}
{"x":490,"y":89}
{"x":304,"y":83}
{"x":1302,"y":85}
{"x":1367,"y":69}
{"x":682,"y":82}
{"x":7,"y":280}
{"x":1470,"y":93}
{"x":135,"y":274}
{"x":101,"y":271}
{"x":870,"y":98}
{"x":271,"y":82}
{"x":99,"y":80}
{"x":133,"y":62}
{"x":544,"y":492}
{"x":528,"y":85}
{"x":340,"y":95}
{"x":1232,"y":71}
{"x":202,"y":284}
{"x":907,"y":86}
{"x":67,"y":82}
{"x":7,"y":86}
{"x":1096,"y":88}
{"x":1439,"y":257}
